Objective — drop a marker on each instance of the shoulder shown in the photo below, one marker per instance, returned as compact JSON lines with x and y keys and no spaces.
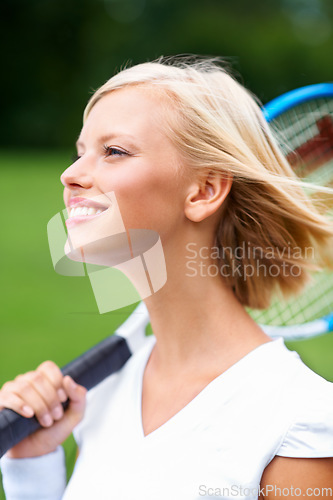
{"x":310,"y":402}
{"x":308,"y":408}
{"x":297,"y":403}
{"x":304,"y":455}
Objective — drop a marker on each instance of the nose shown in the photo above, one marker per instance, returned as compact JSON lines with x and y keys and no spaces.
{"x":77,"y":175}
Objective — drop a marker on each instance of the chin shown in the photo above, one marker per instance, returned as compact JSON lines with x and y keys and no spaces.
{"x":106,"y":251}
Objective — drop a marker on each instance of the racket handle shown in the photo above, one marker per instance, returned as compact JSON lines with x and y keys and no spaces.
{"x":88,"y":370}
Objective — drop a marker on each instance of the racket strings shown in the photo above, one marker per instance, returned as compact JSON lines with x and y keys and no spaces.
{"x":315,"y":302}
{"x":305,"y":134}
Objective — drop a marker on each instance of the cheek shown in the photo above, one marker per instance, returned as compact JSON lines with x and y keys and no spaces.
{"x":152,"y":200}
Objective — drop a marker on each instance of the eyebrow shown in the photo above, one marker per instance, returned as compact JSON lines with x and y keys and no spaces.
{"x":108,"y":137}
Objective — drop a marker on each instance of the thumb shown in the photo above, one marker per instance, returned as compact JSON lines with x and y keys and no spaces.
{"x":77,"y":399}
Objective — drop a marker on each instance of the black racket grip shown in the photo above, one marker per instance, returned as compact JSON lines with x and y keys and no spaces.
{"x":88,"y":370}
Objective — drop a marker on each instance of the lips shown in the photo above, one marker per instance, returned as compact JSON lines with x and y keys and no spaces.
{"x":85,"y":202}
{"x":83,"y":210}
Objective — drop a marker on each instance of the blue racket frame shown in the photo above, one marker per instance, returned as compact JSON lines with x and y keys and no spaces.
{"x":290,"y":99}
{"x":272,"y":110}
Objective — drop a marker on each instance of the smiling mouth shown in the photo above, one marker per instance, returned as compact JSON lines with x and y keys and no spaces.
{"x":83,"y":214}
{"x":75,"y":211}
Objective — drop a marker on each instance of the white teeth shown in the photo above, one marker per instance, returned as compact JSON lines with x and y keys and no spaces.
{"x":76,"y":211}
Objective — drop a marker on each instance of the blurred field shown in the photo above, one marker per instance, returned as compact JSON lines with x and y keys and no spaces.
{"x":43,"y":315}
{"x":47,"y":316}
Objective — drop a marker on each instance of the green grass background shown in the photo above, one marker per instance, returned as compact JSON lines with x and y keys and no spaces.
{"x":48,"y":316}
{"x":43,"y":315}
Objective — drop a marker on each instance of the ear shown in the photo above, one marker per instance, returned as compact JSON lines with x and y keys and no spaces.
{"x":206,"y":195}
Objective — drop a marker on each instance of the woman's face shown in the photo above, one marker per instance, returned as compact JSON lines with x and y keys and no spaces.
{"x":127,"y":168}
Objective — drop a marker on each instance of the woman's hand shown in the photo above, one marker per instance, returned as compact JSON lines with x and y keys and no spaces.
{"x":41,"y":393}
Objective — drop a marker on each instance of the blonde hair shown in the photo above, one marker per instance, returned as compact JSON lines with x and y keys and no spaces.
{"x":218,"y":127}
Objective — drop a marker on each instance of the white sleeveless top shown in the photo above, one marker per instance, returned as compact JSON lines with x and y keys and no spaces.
{"x":268,"y":403}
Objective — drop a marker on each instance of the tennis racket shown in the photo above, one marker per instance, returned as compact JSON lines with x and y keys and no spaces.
{"x":303,"y":122}
{"x":88,"y":370}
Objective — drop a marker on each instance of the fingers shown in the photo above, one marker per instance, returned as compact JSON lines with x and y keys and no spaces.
{"x":41,"y":393}
{"x":54,"y":375}
{"x":14,"y":402}
{"x":36,"y":390}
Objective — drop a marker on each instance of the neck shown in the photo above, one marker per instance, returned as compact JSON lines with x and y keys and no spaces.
{"x":197,"y":317}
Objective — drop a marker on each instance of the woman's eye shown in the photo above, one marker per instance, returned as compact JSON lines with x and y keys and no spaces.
{"x":111,"y":151}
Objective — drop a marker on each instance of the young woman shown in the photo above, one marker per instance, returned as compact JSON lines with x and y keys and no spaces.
{"x":210,"y":407}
